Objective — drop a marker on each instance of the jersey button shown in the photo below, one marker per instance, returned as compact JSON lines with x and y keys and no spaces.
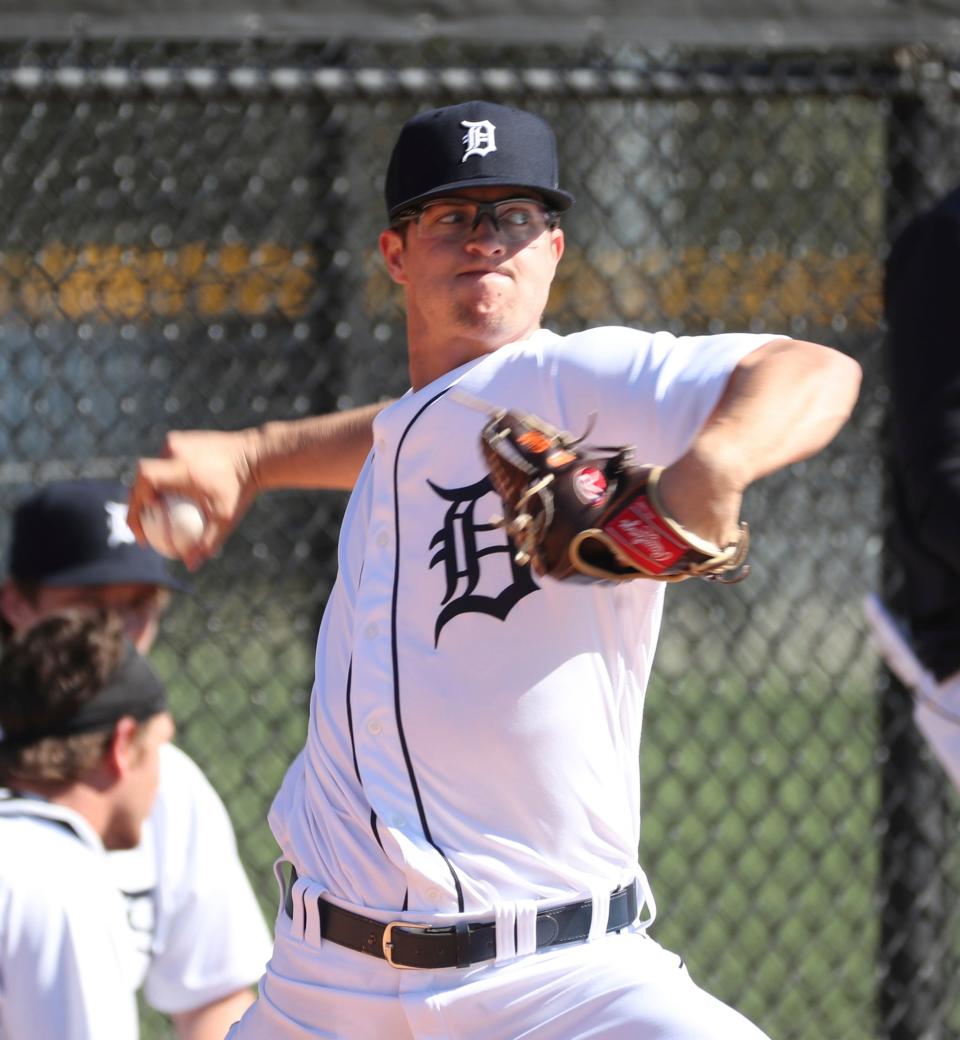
{"x":371,"y":630}
{"x":434,"y":895}
{"x":383,"y":539}
{"x":375,"y":726}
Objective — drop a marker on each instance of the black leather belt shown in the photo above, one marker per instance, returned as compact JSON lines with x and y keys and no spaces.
{"x":404,"y":944}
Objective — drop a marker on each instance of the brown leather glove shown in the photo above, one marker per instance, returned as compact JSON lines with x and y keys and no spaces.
{"x":577,"y":511}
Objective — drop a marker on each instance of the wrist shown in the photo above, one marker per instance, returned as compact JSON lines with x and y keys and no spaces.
{"x":714,"y":464}
{"x":703,"y":491}
{"x":253,"y":455}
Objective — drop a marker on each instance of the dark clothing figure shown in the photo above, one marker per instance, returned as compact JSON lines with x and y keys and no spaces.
{"x":922,"y":302}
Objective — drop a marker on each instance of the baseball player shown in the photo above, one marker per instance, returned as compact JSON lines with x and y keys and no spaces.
{"x":921,"y":638}
{"x":82,"y":721}
{"x":460,"y":834}
{"x":199,"y":938}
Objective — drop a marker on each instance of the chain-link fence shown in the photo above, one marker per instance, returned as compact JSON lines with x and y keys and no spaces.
{"x":187,"y":239}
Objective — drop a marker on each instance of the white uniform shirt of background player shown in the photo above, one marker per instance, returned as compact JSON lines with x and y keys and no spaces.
{"x":66,"y":970}
{"x":196,"y":934}
{"x":87,"y":981}
{"x":140,"y":922}
{"x":474,"y":733}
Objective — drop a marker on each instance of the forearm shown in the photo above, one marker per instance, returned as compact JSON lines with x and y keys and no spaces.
{"x":325,"y":451}
{"x":783,"y":403}
{"x":212,"y":1021}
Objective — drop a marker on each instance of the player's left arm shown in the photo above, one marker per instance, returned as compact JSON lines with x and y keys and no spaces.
{"x":784,"y":402}
{"x":212,"y":1021}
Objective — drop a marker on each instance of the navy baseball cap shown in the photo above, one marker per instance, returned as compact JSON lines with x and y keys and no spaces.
{"x":473,"y":145}
{"x":74,"y":532}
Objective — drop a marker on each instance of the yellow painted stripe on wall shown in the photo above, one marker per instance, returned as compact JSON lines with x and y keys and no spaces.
{"x":110,"y":283}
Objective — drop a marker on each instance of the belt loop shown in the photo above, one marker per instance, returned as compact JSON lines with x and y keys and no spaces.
{"x":526,"y":910}
{"x":299,"y":913}
{"x":645,"y":899}
{"x":600,"y":915}
{"x":505,"y":919}
{"x":310,"y":897}
{"x":281,"y":883}
{"x":463,"y":944}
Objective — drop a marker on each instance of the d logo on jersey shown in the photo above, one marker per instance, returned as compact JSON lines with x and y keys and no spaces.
{"x":476,"y":558}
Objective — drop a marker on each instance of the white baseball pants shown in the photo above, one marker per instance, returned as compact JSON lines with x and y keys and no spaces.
{"x":617,"y":986}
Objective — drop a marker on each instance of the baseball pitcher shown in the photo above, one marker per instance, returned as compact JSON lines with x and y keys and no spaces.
{"x":459,"y":837}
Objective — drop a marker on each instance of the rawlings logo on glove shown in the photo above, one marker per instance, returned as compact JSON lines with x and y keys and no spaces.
{"x":574,"y":510}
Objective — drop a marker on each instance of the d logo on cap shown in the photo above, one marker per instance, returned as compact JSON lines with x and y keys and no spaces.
{"x":479,"y":138}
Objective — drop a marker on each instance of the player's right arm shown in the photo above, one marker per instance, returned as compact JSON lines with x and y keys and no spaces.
{"x":225,"y":471}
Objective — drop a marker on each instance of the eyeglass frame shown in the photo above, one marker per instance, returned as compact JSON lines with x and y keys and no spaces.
{"x":484,"y":208}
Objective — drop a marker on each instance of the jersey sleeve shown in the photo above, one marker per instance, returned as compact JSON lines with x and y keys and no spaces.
{"x":62,"y":960}
{"x":653,"y":390}
{"x":211,"y":936}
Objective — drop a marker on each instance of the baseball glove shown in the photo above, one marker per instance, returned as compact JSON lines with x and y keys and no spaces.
{"x":577,"y":511}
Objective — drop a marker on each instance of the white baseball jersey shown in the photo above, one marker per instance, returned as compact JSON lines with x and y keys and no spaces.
{"x":65,"y":965}
{"x":189,"y":929}
{"x":474,"y":733}
{"x":196,"y":927}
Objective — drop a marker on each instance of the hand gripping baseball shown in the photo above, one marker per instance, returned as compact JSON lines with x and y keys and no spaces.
{"x":214,"y":469}
{"x":576,"y":511}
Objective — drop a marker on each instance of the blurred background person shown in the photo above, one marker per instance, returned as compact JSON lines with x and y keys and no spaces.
{"x":199,"y":934}
{"x":923,"y":367}
{"x":82,"y":722}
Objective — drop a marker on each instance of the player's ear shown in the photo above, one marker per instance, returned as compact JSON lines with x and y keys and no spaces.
{"x":557,"y":243}
{"x":393,"y":250}
{"x":123,"y":751}
{"x":15,"y":607}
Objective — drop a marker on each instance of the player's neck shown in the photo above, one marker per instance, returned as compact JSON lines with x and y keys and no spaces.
{"x":431,"y":357}
{"x":90,"y":798}
{"x":90,"y":803}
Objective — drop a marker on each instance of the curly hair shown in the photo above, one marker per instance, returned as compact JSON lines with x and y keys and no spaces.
{"x":46,"y":674}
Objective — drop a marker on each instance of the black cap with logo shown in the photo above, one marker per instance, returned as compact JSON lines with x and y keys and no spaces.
{"x":472,"y":145}
{"x":75,"y":533}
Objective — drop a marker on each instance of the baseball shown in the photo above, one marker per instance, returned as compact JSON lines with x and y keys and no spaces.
{"x":173,"y":525}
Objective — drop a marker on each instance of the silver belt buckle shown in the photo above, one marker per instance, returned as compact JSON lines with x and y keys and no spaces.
{"x":388,"y":942}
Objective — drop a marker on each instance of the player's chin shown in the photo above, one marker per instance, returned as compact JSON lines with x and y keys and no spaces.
{"x":479,"y":317}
